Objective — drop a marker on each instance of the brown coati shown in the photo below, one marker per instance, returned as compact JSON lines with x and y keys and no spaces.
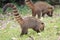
{"x":26,"y":22}
{"x":40,"y":8}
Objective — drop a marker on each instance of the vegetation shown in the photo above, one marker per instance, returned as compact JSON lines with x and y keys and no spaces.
{"x":22,"y":2}
{"x":10,"y":29}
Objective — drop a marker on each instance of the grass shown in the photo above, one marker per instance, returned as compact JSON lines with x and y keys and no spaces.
{"x":13,"y":30}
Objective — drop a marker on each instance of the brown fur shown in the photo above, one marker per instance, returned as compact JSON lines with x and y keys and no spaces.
{"x":40,"y":8}
{"x":27,"y":22}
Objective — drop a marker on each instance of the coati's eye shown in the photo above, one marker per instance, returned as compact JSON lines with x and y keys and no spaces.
{"x":42,"y":23}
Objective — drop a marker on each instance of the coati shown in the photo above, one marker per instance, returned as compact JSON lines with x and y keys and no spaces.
{"x":40,"y":8}
{"x":45,"y":8}
{"x":26,"y":22}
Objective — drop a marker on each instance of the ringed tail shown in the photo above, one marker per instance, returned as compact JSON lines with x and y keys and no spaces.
{"x":15,"y":12}
{"x":30,"y":4}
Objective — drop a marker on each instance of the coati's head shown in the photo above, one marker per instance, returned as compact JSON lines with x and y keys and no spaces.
{"x":42,"y":26}
{"x":50,"y":11}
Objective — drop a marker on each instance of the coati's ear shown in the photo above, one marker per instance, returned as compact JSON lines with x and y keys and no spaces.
{"x":42,"y":23}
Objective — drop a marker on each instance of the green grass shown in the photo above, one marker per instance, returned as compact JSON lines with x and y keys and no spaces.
{"x":49,"y":33}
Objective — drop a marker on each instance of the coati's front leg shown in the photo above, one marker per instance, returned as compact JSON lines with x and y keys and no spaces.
{"x":36,"y":29}
{"x":39,"y":14}
{"x":43,"y":14}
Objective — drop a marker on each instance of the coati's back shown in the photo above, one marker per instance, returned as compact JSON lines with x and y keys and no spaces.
{"x":32,"y":21}
{"x":43,"y":5}
{"x":40,"y":4}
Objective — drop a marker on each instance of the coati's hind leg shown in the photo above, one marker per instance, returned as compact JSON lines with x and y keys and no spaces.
{"x":24,"y":31}
{"x":33,"y":13}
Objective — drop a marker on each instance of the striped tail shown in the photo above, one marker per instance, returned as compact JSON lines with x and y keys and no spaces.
{"x":15,"y":12}
{"x":30,"y":4}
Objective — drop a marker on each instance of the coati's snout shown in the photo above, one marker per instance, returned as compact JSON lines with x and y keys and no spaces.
{"x":42,"y":27}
